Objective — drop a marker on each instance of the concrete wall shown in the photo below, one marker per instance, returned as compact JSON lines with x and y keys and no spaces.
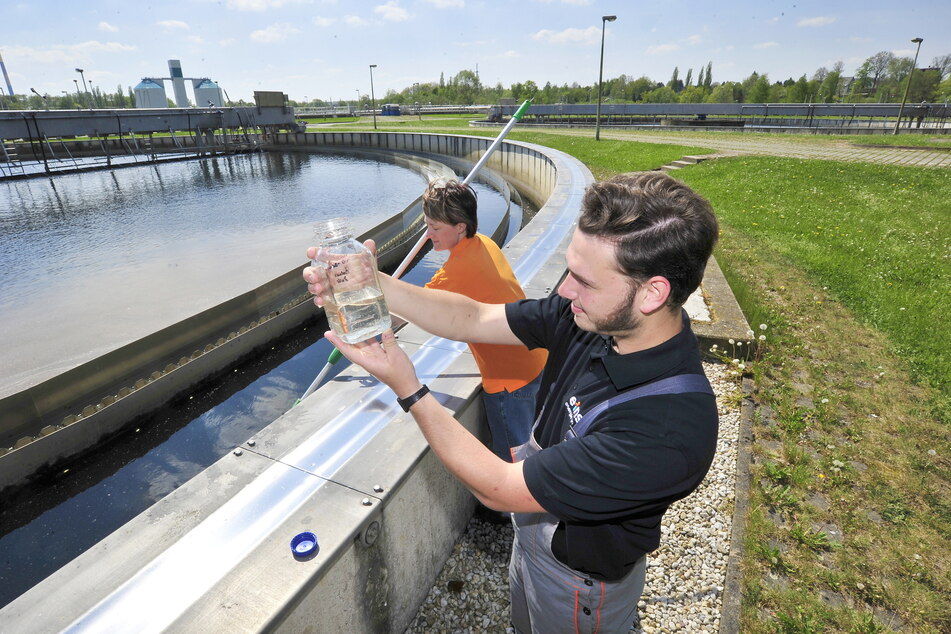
{"x":346,"y":464}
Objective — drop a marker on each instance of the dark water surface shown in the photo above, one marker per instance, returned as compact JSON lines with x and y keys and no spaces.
{"x":46,"y":525}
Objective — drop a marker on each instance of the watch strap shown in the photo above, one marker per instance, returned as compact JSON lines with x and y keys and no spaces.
{"x":408,"y":402}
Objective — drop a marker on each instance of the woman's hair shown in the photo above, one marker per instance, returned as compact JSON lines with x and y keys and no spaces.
{"x":451,"y":202}
{"x":659,"y":227}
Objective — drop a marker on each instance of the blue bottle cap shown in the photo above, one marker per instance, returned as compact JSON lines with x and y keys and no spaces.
{"x":304,"y":545}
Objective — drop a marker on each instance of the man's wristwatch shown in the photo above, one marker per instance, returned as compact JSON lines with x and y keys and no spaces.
{"x":407,"y":402}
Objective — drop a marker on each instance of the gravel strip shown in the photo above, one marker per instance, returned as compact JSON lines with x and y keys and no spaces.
{"x":685,"y":576}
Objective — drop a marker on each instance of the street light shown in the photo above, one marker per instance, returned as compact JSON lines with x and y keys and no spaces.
{"x":372,"y":97}
{"x":85,"y":91}
{"x":597,"y":120}
{"x":419,"y":109}
{"x":33,"y":90}
{"x":917,"y":41}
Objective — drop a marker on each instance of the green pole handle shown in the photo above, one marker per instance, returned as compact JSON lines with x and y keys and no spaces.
{"x":521,"y":110}
{"x":335,"y":356}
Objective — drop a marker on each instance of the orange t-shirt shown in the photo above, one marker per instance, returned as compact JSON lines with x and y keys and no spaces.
{"x":476,"y":268}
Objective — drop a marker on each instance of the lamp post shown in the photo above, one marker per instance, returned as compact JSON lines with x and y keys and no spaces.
{"x":85,"y":92}
{"x":419,"y":111}
{"x":597,"y":120}
{"x":372,"y":97}
{"x":917,"y":41}
{"x":45,"y":100}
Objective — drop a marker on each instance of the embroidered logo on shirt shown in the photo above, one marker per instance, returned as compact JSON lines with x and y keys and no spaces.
{"x":574,"y":410}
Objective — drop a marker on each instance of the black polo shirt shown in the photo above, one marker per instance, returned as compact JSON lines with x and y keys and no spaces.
{"x":610,"y":488}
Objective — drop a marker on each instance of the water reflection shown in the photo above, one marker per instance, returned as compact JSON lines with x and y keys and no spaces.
{"x":122,"y":253}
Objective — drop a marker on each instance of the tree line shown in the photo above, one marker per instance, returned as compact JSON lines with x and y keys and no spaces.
{"x":880,"y":79}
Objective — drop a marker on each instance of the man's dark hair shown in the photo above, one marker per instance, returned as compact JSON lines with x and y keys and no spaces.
{"x":659,"y":226}
{"x":451,"y":202}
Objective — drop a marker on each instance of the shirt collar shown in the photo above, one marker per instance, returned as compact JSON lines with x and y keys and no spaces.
{"x":644,"y":366}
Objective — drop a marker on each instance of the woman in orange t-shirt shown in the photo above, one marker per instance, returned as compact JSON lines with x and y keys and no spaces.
{"x":476,"y":268}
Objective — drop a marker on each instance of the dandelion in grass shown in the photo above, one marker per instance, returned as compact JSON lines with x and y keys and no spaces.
{"x":762,"y":337}
{"x":762,"y":326}
{"x":825,"y":400}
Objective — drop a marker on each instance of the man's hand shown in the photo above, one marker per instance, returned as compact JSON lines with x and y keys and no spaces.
{"x":383,"y":359}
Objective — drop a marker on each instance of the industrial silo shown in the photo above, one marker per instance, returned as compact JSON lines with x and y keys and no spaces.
{"x":178,"y":83}
{"x":150,"y":94}
{"x":208,"y":94}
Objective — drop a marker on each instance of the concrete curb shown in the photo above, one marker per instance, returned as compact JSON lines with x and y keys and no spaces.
{"x":733,"y":588}
{"x":727,"y":319}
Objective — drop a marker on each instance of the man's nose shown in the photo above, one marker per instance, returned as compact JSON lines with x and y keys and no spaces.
{"x":566,"y":289}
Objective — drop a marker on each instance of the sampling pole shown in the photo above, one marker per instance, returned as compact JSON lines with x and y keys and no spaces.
{"x":336,"y":354}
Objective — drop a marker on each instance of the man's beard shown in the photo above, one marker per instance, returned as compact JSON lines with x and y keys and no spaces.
{"x":623,"y":321}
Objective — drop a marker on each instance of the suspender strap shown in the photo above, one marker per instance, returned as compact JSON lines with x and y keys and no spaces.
{"x":680,"y":384}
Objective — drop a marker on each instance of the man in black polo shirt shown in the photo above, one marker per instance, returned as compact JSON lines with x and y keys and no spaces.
{"x":627,"y":424}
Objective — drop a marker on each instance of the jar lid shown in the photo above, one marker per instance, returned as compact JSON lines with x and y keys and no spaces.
{"x":304,"y":545}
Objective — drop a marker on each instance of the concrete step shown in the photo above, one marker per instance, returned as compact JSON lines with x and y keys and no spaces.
{"x":669,"y":168}
{"x":683,"y":163}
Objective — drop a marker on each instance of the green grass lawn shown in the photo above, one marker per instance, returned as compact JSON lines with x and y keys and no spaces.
{"x":848,"y":265}
{"x":877,"y":238}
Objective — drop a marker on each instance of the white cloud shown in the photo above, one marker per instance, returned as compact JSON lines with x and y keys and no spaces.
{"x":259,"y":5}
{"x":322,"y":21}
{"x":693,"y":40}
{"x":590,"y":35}
{"x":392,"y":11}
{"x":578,"y":3}
{"x":819,"y":21}
{"x":445,"y":4}
{"x":173,"y":24}
{"x":274,"y":33}
{"x":64,"y":53}
{"x":660,"y":49}
{"x":766,"y":45}
{"x":509,"y":55}
{"x":195,"y":39}
{"x":105,"y":26}
{"x":354,"y":20}
{"x":228,"y":41}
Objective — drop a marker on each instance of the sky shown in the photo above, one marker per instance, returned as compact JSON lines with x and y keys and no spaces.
{"x":323,"y":48}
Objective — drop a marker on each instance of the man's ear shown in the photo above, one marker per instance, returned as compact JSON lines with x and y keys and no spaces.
{"x":655,"y":293}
